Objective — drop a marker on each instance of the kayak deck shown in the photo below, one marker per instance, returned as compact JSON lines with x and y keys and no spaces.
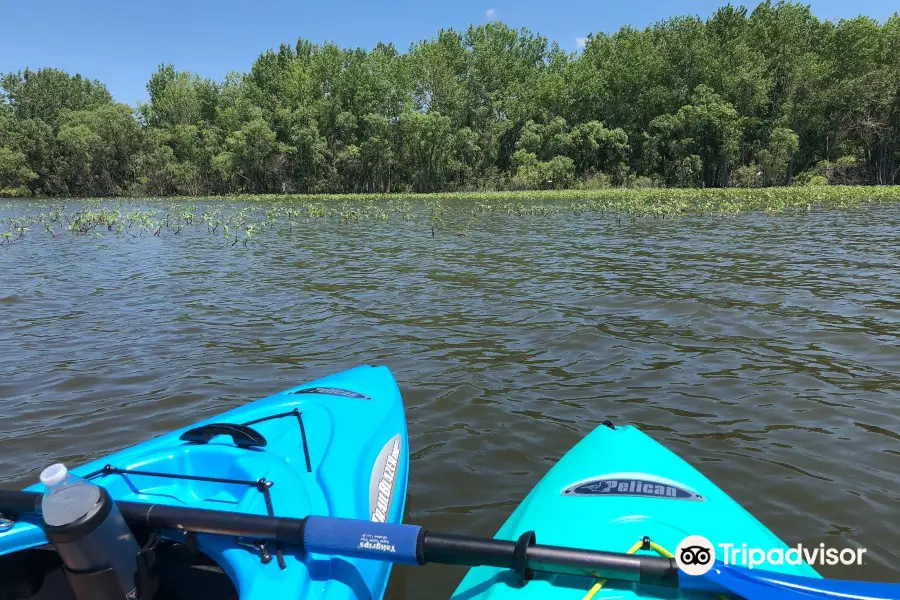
{"x":322,"y":448}
{"x":613,"y":489}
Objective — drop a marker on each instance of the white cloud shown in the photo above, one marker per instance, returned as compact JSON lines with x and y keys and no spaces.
{"x":490,"y":13}
{"x":580,"y":42}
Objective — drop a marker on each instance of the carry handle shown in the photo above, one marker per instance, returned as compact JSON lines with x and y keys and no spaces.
{"x":241,"y":435}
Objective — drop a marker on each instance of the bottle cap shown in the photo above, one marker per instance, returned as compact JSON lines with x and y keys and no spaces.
{"x":54,"y":474}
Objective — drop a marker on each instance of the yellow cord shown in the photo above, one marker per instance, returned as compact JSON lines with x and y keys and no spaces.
{"x":633,"y":550}
{"x":636,"y":547}
{"x":661,"y":550}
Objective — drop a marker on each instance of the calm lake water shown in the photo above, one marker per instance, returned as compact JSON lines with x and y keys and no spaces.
{"x":764,"y":350}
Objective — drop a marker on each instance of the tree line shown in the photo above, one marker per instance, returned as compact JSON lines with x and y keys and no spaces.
{"x":768,"y":97}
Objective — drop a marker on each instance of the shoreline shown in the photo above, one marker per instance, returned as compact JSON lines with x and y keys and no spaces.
{"x":817,"y":194}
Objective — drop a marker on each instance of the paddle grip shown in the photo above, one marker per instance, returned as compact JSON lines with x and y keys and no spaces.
{"x":392,"y":542}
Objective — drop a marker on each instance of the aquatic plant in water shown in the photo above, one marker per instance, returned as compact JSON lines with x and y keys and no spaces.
{"x":240,"y":219}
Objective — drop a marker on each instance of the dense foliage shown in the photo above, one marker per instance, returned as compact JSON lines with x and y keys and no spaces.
{"x":768,"y":97}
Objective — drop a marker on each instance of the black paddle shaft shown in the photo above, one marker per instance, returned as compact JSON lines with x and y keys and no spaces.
{"x":178,"y":518}
{"x":523,"y":557}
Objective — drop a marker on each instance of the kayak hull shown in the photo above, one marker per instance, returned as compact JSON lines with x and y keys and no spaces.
{"x":611,"y":490}
{"x":337,"y":446}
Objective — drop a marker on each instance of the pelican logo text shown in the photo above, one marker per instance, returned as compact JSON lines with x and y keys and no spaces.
{"x":630,"y":487}
{"x":330,"y":391}
{"x":381,"y":488}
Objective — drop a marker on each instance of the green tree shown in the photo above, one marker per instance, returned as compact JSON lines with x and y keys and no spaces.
{"x":768,"y":96}
{"x":45,"y":93}
{"x":699,"y":144}
{"x":15,"y":175}
{"x":97,"y":149}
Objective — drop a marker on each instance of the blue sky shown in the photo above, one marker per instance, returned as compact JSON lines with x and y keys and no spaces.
{"x":122,"y":42}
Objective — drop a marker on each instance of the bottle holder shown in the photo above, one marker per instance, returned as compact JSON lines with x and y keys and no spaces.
{"x":98,"y":585}
{"x":105,"y":585}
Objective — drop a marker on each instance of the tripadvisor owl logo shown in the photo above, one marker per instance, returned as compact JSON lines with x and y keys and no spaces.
{"x":695,"y":555}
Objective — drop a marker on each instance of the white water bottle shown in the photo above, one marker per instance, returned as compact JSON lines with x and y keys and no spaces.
{"x":68,"y":497}
{"x":91,"y":537}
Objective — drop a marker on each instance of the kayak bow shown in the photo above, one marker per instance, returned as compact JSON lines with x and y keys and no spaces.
{"x":619,"y":491}
{"x":336,"y":447}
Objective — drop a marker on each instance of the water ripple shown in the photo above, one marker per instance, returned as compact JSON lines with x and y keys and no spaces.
{"x":763,"y":350}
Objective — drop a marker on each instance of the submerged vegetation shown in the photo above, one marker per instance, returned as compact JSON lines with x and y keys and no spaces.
{"x":238,"y":219}
{"x":761,"y":98}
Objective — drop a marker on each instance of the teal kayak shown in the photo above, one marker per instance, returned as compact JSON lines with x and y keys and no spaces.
{"x":301,"y":496}
{"x":612,"y":490}
{"x":333,"y":447}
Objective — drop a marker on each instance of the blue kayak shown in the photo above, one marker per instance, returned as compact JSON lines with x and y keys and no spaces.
{"x":618,"y":490}
{"x":333,"y":447}
{"x":318,"y":473}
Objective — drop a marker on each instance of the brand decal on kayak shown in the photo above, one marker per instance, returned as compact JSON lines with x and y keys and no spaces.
{"x":330,"y":391}
{"x":383,"y":480}
{"x":646,"y":487}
